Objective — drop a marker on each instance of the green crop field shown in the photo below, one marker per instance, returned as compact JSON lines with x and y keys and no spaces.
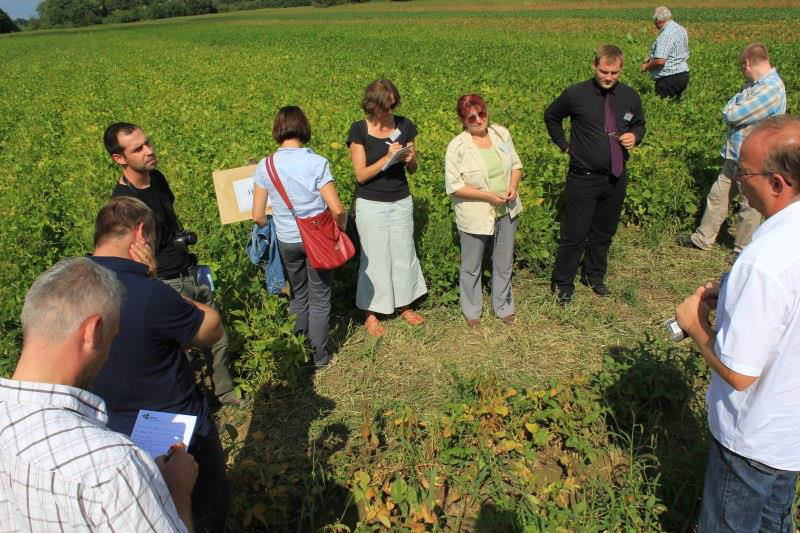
{"x":582,"y":419}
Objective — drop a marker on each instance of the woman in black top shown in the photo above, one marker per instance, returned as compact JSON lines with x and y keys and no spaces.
{"x":389,"y":276}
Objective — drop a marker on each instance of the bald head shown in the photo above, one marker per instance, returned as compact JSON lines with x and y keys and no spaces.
{"x":781,"y":139}
{"x":769,"y":165}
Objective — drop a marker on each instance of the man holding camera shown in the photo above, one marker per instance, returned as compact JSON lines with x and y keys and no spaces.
{"x":132,"y":149}
{"x":754,"y":395}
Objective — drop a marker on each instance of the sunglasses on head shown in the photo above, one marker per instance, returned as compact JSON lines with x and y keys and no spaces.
{"x":480,"y":115}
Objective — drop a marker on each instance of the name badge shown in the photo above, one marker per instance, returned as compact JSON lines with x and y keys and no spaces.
{"x":503,"y":147}
{"x":395,"y":135}
{"x":627,"y":117}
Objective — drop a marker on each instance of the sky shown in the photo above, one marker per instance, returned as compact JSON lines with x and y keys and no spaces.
{"x":19,"y":8}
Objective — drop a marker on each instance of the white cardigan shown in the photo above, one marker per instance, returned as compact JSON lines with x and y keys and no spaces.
{"x":464,"y":165}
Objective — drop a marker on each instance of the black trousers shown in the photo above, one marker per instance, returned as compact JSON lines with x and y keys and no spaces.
{"x":211,"y":497}
{"x":592,"y":207}
{"x":672,"y":86}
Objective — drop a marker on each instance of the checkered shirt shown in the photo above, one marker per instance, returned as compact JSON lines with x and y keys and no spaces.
{"x":765,"y":97}
{"x":61,"y":469}
{"x":671,"y":44}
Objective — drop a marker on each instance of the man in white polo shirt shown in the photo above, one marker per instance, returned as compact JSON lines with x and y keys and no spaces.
{"x":754,"y":396}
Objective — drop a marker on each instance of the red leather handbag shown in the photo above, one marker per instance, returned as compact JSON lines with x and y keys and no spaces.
{"x":326,"y":246}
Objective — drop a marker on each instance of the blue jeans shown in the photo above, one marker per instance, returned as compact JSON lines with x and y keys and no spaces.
{"x":742,"y":495}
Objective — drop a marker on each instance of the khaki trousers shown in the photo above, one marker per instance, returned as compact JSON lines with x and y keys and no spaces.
{"x":719,"y":197}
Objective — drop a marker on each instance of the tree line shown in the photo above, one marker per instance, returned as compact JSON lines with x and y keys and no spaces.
{"x":76,"y":13}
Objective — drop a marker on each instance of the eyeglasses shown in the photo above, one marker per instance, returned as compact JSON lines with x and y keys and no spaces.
{"x":741,"y":176}
{"x":480,"y":115}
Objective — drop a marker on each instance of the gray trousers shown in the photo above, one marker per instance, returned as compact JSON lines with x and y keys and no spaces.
{"x":310,"y":298}
{"x":220,"y":371}
{"x":719,"y":197}
{"x":472,"y":247}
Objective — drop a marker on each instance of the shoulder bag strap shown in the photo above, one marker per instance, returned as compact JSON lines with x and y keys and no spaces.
{"x":276,"y":181}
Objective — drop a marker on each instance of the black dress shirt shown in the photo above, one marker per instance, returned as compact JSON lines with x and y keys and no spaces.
{"x":584,"y":103}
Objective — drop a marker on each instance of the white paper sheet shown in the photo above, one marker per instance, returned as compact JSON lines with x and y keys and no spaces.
{"x":398,"y":156}
{"x":156,"y":431}
{"x":243,"y":189}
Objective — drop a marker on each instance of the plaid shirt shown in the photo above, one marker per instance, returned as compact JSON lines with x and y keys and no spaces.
{"x":758,"y":100}
{"x":61,"y":469}
{"x":671,"y":44}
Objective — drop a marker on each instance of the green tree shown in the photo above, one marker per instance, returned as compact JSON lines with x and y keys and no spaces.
{"x":6,"y":24}
{"x":66,"y":13}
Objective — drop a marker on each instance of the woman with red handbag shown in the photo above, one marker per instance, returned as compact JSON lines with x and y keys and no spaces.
{"x":300,"y":185}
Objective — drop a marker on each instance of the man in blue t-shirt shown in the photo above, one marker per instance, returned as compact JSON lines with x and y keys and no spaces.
{"x":146,"y":367}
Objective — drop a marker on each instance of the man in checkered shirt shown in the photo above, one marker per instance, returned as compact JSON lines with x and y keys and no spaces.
{"x":668,"y":62}
{"x":764,"y":95}
{"x":61,"y":468}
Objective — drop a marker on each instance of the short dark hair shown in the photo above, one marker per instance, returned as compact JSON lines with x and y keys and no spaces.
{"x":111,"y":136}
{"x":291,"y":123}
{"x":380,"y":95}
{"x":609,"y":52}
{"x":121,"y":215}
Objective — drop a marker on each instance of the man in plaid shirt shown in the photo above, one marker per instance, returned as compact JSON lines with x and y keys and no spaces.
{"x":61,"y":468}
{"x":668,"y":62}
{"x":764,"y":95}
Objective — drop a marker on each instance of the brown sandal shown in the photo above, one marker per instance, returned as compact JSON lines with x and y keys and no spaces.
{"x":374,"y":326}
{"x":412,"y":317}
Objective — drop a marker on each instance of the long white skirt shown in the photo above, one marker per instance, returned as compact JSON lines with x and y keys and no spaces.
{"x":389,"y":275}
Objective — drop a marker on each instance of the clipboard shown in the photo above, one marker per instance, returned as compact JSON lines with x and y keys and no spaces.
{"x":234,"y":190}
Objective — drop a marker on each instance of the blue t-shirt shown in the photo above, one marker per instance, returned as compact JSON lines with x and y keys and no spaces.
{"x":146,"y":368}
{"x":302,"y":173}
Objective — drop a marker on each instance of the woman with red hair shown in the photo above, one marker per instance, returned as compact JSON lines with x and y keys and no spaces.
{"x":482,"y":172}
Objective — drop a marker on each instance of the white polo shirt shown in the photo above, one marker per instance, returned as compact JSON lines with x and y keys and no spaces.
{"x":758,"y":334}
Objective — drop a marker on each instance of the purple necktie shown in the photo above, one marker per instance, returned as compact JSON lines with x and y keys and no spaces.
{"x":613,"y":138}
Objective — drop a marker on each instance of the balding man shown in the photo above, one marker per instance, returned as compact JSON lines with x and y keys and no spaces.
{"x":61,"y":468}
{"x":146,"y":366}
{"x":754,"y":395}
{"x":764,"y":95}
{"x":668,"y":63}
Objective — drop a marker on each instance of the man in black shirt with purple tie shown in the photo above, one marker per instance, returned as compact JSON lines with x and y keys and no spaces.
{"x":606,"y":120}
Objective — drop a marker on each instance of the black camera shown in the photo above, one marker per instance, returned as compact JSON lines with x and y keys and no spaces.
{"x":183,"y":239}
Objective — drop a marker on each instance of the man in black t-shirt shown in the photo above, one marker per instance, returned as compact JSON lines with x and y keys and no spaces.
{"x":131,"y":149}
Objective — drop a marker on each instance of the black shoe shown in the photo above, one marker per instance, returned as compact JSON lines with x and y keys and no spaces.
{"x":598,"y":287}
{"x":322,"y":364}
{"x":230,"y":399}
{"x":685,"y":240}
{"x":563,"y":297}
